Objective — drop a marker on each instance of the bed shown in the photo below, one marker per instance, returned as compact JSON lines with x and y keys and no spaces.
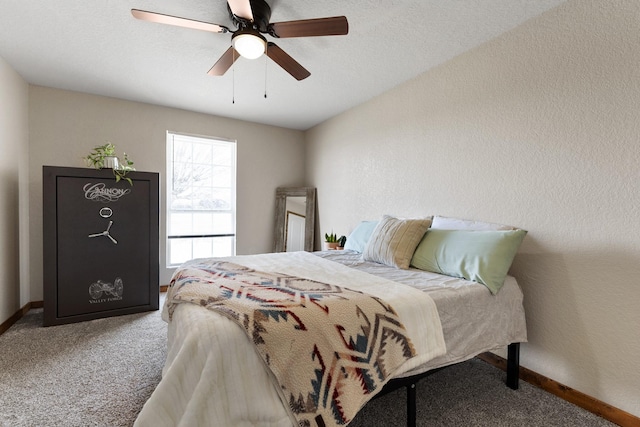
{"x":214,"y":376}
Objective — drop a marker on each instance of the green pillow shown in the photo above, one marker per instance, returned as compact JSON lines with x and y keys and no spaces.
{"x":480,"y":256}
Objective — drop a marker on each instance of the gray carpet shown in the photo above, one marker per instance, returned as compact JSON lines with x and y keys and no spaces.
{"x":100,"y":373}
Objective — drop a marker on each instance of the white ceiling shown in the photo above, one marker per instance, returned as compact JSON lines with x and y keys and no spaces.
{"x":97,"y":47}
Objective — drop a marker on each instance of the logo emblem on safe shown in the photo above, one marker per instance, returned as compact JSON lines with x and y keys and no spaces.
{"x":101,"y":291}
{"x":101,"y":193}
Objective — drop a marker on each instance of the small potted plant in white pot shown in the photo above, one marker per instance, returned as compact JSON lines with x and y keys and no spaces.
{"x":104,"y":157}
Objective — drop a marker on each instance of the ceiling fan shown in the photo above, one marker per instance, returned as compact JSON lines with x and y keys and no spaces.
{"x":251,"y":17}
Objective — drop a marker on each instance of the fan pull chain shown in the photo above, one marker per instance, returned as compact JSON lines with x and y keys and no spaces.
{"x":233,"y":77}
{"x":265,"y":71}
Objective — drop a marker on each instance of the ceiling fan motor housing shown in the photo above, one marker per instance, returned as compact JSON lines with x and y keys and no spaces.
{"x":261,"y":16}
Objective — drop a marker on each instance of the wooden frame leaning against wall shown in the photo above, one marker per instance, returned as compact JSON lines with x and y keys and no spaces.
{"x":281,"y":213}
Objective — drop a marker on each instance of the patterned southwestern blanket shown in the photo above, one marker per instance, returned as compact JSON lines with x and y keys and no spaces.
{"x":330,"y":349}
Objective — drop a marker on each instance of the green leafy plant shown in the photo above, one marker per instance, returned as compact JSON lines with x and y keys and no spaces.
{"x":330,"y":238}
{"x":341,"y":241}
{"x":97,"y":158}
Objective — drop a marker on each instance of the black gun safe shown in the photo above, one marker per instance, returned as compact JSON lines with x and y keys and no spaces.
{"x":100,"y":244}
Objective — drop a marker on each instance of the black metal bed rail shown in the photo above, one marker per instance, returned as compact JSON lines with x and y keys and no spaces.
{"x":513,"y":379}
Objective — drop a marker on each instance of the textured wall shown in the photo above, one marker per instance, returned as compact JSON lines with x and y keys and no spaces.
{"x":539,"y":129}
{"x":14,"y":149}
{"x":64,"y":126}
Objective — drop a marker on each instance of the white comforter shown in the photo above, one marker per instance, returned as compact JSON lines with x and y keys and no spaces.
{"x":214,"y":377}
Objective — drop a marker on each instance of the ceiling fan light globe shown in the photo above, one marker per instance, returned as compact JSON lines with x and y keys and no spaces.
{"x":249,"y":46}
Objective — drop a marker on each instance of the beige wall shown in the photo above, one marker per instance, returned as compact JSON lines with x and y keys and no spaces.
{"x":539,"y":129}
{"x":14,"y":152}
{"x":65,"y":125}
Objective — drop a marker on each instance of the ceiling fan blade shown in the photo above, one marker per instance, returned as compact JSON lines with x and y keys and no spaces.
{"x":224,"y":63}
{"x":289,"y":64}
{"x":333,"y":26}
{"x":241,"y":8}
{"x":180,"y":22}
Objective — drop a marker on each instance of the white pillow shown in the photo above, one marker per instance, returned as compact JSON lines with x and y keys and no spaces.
{"x":446,"y":223}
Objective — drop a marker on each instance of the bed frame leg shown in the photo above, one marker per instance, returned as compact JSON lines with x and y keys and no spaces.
{"x":513,"y":365}
{"x":411,"y":405}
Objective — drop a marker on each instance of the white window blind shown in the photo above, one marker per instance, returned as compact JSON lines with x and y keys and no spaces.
{"x":201,"y":197}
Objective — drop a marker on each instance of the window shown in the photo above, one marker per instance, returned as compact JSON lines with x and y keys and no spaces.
{"x":201,"y":197}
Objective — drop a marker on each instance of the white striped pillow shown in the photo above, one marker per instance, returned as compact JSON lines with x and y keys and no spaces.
{"x":394,"y":241}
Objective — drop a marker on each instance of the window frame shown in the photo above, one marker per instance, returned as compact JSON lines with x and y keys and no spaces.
{"x":169,"y":182}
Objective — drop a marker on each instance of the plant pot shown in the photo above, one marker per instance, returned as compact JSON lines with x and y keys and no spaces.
{"x":330,"y":246}
{"x":110,"y":162}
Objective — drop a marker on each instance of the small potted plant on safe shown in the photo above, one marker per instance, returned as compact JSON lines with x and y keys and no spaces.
{"x":330,"y":241}
{"x":104,"y":156}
